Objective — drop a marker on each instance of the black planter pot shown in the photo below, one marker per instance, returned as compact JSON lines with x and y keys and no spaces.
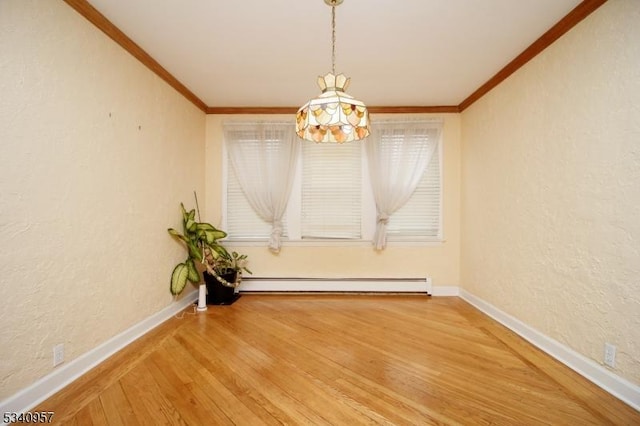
{"x":218,"y":294}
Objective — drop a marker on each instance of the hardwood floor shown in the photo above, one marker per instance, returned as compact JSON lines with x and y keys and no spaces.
{"x":335,"y":360}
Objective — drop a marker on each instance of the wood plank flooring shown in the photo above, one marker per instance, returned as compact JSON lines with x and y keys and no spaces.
{"x":335,"y":360}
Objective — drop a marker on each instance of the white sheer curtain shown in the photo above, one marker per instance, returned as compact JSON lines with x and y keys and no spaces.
{"x":398,"y":154}
{"x":264,"y":156}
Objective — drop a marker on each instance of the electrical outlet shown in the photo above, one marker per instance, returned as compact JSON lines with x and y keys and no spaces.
{"x":609,"y":355}
{"x":58,"y":354}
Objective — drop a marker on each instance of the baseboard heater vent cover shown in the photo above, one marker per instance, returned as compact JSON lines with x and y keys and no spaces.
{"x":357,"y":285}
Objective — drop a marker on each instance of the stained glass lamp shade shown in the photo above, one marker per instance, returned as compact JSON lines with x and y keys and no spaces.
{"x":334,"y":116}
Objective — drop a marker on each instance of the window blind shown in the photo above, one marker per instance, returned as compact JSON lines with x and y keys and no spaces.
{"x":331,"y":191}
{"x":420,"y":216}
{"x":242,"y":221}
{"x":331,"y":198}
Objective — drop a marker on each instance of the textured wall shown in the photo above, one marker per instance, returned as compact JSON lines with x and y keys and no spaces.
{"x":441,"y":262}
{"x":551,"y":190}
{"x":96,"y":153}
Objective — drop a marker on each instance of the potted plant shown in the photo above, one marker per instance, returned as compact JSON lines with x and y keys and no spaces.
{"x":224,"y":277}
{"x":201,"y":241}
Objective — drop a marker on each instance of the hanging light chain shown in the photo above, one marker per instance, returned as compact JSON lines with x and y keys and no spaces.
{"x":320,"y":120}
{"x":333,"y":40}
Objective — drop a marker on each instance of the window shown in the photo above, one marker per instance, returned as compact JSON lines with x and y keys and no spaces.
{"x":420,"y":216}
{"x":242,"y":221}
{"x":402,"y":145}
{"x":260,"y":147}
{"x":263,"y":157}
{"x":332,"y":199}
{"x":331,"y":191}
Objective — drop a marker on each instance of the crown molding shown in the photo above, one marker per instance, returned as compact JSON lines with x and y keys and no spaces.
{"x":103,"y":24}
{"x":372,"y":109}
{"x":580,"y":12}
{"x":251,"y":110}
{"x":413,"y":109}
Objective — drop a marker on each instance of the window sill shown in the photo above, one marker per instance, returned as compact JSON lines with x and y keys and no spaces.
{"x":335,"y":243}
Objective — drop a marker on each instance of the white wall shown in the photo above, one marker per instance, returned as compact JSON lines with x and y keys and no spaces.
{"x":96,"y":153}
{"x":551,"y":190}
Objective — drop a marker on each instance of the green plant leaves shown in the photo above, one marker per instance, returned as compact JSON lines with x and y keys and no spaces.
{"x":194,"y":251}
{"x":200,"y":238}
{"x":188,"y":219}
{"x":179,"y":278}
{"x":194,"y":275}
{"x":209,"y":233}
{"x":177,"y":234}
{"x":220,"y":251}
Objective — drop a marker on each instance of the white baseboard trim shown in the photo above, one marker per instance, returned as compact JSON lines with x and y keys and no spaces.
{"x":364,"y":285}
{"x":42,"y":389}
{"x":39,"y":391}
{"x":610,"y":382}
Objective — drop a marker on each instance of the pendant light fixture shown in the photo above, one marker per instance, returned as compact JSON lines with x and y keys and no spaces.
{"x":334,"y":116}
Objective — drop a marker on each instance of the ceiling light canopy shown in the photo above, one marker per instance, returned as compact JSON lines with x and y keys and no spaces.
{"x":334,"y":116}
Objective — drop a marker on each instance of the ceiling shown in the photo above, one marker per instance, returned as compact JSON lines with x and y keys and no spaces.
{"x":257,"y":53}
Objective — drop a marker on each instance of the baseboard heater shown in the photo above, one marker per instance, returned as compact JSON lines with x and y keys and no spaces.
{"x":359,"y":285}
